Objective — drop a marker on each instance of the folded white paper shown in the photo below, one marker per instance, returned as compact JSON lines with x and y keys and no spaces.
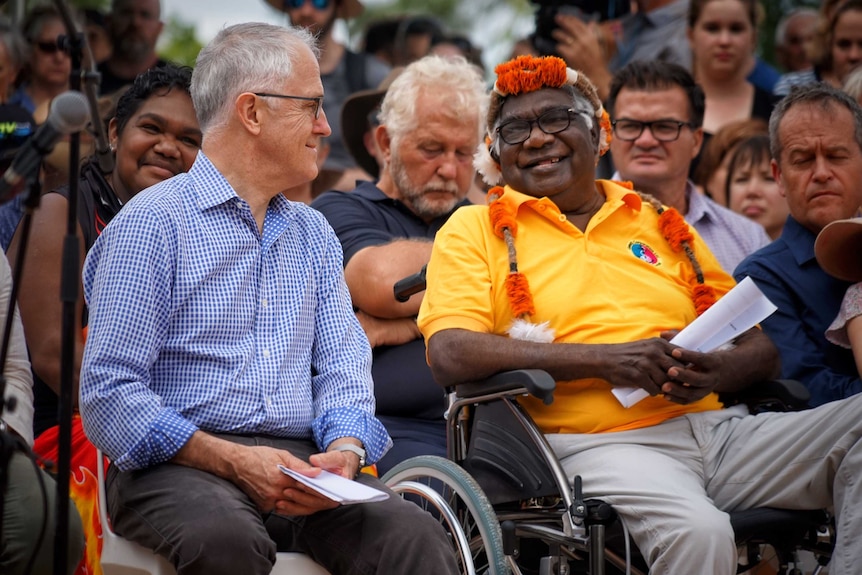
{"x":338,"y":488}
{"x":739,"y":310}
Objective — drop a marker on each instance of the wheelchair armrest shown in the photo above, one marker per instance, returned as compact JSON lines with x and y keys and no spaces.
{"x":537,"y":382}
{"x":771,"y":395}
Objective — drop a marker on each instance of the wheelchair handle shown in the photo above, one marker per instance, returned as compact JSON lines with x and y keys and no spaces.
{"x":412,"y":284}
{"x":538,"y":383}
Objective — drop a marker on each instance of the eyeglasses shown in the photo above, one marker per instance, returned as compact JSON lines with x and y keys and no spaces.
{"x":295,"y":4}
{"x":551,"y":122}
{"x":662,"y":130}
{"x":318,"y":100}
{"x":47,"y":47}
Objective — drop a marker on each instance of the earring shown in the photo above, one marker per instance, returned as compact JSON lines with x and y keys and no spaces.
{"x":113,"y":147}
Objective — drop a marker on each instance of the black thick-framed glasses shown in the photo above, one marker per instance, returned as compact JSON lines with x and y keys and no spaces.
{"x":662,"y":130}
{"x":318,"y":100}
{"x":553,"y":121}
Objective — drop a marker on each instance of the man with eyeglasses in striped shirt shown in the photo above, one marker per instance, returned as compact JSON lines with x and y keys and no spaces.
{"x":658,"y":115}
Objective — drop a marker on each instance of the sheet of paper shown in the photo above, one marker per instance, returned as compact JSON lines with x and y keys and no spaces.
{"x":739,"y":310}
{"x":338,"y":488}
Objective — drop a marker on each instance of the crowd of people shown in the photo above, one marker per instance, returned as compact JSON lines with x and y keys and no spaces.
{"x":235,"y":310}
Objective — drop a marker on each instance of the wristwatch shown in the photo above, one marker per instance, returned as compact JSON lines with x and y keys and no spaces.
{"x":355,"y":449}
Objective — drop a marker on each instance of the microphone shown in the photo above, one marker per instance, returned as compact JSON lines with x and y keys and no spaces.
{"x":69,"y":113}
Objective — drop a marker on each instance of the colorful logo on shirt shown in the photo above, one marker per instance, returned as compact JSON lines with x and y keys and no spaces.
{"x":644,"y":252}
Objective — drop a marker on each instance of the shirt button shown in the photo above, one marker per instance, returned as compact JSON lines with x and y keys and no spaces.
{"x":266,"y":353}
{"x":264,"y":302}
{"x":562,"y":217}
{"x":269,"y":402}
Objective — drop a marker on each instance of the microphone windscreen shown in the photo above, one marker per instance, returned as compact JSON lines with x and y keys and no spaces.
{"x":69,"y":112}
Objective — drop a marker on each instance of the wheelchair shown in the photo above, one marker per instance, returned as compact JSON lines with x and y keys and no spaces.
{"x":509,"y":508}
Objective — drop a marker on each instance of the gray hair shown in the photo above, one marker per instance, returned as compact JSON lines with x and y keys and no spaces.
{"x":251,"y":57}
{"x":16,"y":46}
{"x":458,"y":79}
{"x":820,"y":94}
{"x":853,"y":83}
{"x":781,"y":27}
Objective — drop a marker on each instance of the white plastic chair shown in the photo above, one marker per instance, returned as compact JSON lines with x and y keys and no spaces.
{"x":123,"y":557}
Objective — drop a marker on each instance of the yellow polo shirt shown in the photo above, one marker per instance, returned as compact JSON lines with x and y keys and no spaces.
{"x":619,"y":281}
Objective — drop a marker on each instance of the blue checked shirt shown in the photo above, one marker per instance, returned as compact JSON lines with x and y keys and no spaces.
{"x":198,"y":321}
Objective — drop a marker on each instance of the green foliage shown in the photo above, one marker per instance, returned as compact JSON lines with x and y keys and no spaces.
{"x":179,"y":42}
{"x":103,"y":5}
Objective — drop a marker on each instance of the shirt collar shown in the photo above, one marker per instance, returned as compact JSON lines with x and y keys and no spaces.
{"x":799,"y":240}
{"x":614,"y":192}
{"x":371,"y":192}
{"x":698,"y":205}
{"x":213,"y":189}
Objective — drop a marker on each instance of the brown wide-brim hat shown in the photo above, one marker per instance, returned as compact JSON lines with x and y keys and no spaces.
{"x":839,"y":249}
{"x":346,"y":10}
{"x":354,"y":121}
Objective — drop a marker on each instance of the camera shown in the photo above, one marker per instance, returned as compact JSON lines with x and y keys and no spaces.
{"x":586,"y":10}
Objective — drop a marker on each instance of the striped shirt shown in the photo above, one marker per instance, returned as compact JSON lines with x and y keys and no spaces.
{"x":198,"y":321}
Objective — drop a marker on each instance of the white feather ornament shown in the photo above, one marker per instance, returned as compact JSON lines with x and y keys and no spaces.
{"x":528,"y":331}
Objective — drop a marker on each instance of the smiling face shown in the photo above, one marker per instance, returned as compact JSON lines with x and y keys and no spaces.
{"x":560,"y":166}
{"x":159,"y":141}
{"x":722,"y":39}
{"x":820,"y":166}
{"x":289,"y":130}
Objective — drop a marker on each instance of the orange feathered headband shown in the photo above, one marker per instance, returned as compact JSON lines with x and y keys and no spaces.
{"x":527,"y":74}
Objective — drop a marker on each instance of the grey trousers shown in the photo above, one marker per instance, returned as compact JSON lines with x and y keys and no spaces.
{"x":673,"y":484}
{"x":206,"y":525}
{"x":23,"y":519}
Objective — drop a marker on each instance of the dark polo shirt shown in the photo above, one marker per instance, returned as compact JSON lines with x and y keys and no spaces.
{"x":403,"y":385}
{"x":808,"y":300}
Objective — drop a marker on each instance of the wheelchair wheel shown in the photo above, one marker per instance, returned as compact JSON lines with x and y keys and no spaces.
{"x":445,"y":490}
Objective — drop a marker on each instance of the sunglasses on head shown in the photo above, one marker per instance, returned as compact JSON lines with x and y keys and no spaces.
{"x":318,"y":4}
{"x":47,"y":47}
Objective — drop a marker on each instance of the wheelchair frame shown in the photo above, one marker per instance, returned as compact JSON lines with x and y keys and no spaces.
{"x":502,"y":486}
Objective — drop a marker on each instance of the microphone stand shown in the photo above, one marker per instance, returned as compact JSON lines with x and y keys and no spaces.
{"x":8,"y":442}
{"x":69,"y":286}
{"x":75,"y":45}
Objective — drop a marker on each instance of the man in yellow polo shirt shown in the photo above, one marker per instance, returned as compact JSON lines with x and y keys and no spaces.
{"x":588,"y":280}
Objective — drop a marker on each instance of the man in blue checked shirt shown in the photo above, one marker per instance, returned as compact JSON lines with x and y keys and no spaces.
{"x":222,"y":343}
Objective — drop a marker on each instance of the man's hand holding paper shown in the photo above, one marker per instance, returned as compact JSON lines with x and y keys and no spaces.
{"x":729,"y":320}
